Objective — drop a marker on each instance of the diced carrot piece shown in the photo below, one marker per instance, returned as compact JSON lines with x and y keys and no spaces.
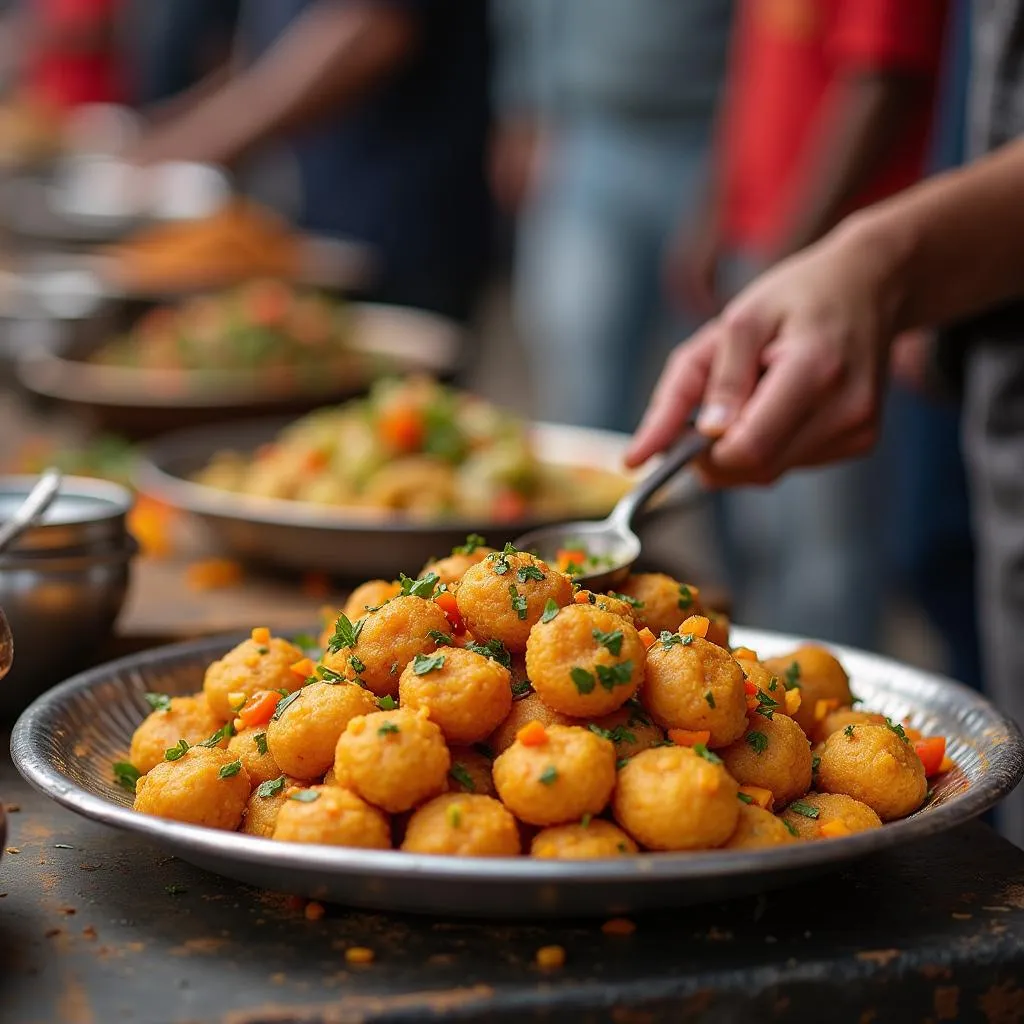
{"x":823,"y":708}
{"x":533,"y":734}
{"x":835,"y":829}
{"x":913,"y":734}
{"x":698,"y":625}
{"x":689,"y":737}
{"x":948,"y":764}
{"x":236,"y":700}
{"x":794,"y":699}
{"x":315,"y":461}
{"x":931,"y":750}
{"x":744,"y":654}
{"x":647,"y":637}
{"x":261,"y":635}
{"x":303,"y":668}
{"x":581,"y":597}
{"x":762,"y":797}
{"x":213,"y":574}
{"x":402,"y":428}
{"x":447,"y":603}
{"x":569,"y":556}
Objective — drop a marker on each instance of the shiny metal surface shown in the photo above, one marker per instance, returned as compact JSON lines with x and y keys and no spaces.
{"x":31,"y":509}
{"x":318,"y":538}
{"x":64,"y":745}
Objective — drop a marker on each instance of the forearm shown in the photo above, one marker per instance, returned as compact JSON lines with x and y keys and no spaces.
{"x":859,"y":124}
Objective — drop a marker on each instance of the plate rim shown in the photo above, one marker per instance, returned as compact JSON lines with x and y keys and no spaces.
{"x":29,"y":736}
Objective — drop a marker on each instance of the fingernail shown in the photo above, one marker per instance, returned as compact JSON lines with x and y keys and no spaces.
{"x":713,"y":419}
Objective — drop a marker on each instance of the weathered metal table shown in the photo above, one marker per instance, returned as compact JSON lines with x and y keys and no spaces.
{"x":97,"y":928}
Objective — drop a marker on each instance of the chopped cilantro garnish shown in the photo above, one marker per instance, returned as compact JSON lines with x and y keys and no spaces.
{"x":499,"y":560}
{"x":283,"y":705}
{"x":357,"y":663}
{"x":710,"y":698}
{"x":898,"y":729}
{"x":745,"y":798}
{"x":493,"y":649}
{"x":610,"y":641}
{"x":585,"y":820}
{"x":328,"y":675}
{"x":518,"y":601}
{"x":773,"y":684}
{"x":685,"y":596}
{"x":549,"y":776}
{"x":306,"y":641}
{"x":230,"y":769}
{"x":424,"y":663}
{"x":345,"y":633}
{"x":765,"y":705}
{"x":454,"y":815}
{"x":521,"y":687}
{"x":669,"y":640}
{"x":791,"y":827}
{"x":702,"y":751}
{"x":180,"y":749}
{"x":529,"y":572}
{"x":792,"y":676}
{"x":158,"y":701}
{"x":620,"y":734}
{"x":473,"y":541}
{"x":387,"y":703}
{"x":126,"y":775}
{"x":610,"y":676}
{"x":305,"y":796}
{"x":854,"y":699}
{"x":226,"y":731}
{"x":271,"y":787}
{"x":583,"y":680}
{"x":439,"y":638}
{"x":631,"y":601}
{"x":262,"y":650}
{"x":815,"y":763}
{"x":848,"y":732}
{"x":605,"y":734}
{"x":423,"y":587}
{"x":621,"y":763}
{"x":757,"y":741}
{"x":551,"y":609}
{"x":806,"y":810}
{"x":461,"y":775}
{"x":388,"y":729}
{"x":260,"y":739}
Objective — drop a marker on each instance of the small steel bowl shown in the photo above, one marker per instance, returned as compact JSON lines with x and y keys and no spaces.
{"x":62,"y":585}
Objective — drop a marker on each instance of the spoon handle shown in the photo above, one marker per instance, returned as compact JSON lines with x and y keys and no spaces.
{"x":37,"y":502}
{"x":688,"y":447}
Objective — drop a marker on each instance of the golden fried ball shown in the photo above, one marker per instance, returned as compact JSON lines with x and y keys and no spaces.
{"x":303,"y":737}
{"x":503,"y":597}
{"x":630,"y":729}
{"x":774,"y":754}
{"x":836,"y":721}
{"x":662,"y":602}
{"x":819,"y":676}
{"x":249,"y":667}
{"x":389,"y":639}
{"x":187,"y":718}
{"x":570,"y":774}
{"x":251,"y":748}
{"x":606,"y":603}
{"x":205,"y":786}
{"x":527,"y":709}
{"x":451,"y":569}
{"x":466,"y":694}
{"x":462,"y":824}
{"x":718,"y":630}
{"x":579,"y":841}
{"x":369,"y":595}
{"x":585,"y":662}
{"x":264,"y":803}
{"x":758,"y":828}
{"x":873,"y":764}
{"x":695,"y":685}
{"x":470,"y":772}
{"x":336,"y":817}
{"x":671,"y":798}
{"x":758,"y":674}
{"x":394,"y":759}
{"x":857,"y":817}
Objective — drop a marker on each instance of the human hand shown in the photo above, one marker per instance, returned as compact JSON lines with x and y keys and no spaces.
{"x":790,"y":374}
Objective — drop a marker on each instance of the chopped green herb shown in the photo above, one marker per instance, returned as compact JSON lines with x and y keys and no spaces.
{"x":549,"y":776}
{"x":621,"y":763}
{"x":621,"y":847}
{"x":610,"y":676}
{"x":271,"y":787}
{"x":551,"y":609}
{"x":620,"y":734}
{"x":815,"y":764}
{"x":685,"y":596}
{"x":521,"y":687}
{"x":473,"y":541}
{"x":792,"y":828}
{"x":230,"y":769}
{"x":806,"y":810}
{"x":585,"y":820}
{"x":605,"y":734}
{"x":583,"y":680}
{"x":126,"y":775}
{"x":439,"y":638}
{"x":610,"y":641}
{"x":773,"y":685}
{"x":848,"y":732}
{"x":529,"y":572}
{"x":357,"y":663}
{"x":898,"y":729}
{"x":260,"y":739}
{"x":702,"y":751}
{"x":180,"y":749}
{"x":854,"y":699}
{"x":225,"y":732}
{"x":424,"y":663}
{"x":158,"y":701}
{"x":493,"y":649}
{"x":461,"y":775}
{"x":669,"y":640}
{"x":454,"y":816}
{"x":174,"y":889}
{"x":423,"y":587}
{"x":745,"y":798}
{"x":631,"y":601}
{"x":518,"y":601}
{"x":757,"y":741}
{"x":710,"y":698}
{"x":345,"y":633}
{"x":305,"y":796}
{"x":328,"y":675}
{"x":387,"y":702}
{"x":388,"y":729}
{"x":499,"y":559}
{"x":262,"y":650}
{"x":306,"y":641}
{"x":573,"y":569}
{"x":283,"y":705}
{"x":637,"y":714}
{"x":792,"y":676}
{"x":766,"y":705}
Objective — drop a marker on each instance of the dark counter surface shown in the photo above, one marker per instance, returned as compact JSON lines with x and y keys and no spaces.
{"x":97,"y":927}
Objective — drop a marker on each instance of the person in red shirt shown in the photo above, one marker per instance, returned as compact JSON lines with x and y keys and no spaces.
{"x":829,"y":106}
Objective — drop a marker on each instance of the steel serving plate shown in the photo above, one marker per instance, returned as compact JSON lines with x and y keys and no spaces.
{"x":318,"y":538}
{"x":65,"y":742}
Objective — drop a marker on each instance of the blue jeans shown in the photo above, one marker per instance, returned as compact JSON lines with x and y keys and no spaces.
{"x":588,"y":282}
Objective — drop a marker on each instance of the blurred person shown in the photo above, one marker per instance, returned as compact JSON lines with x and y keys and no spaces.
{"x":792,"y":372}
{"x":384,"y":104}
{"x":828,"y":107}
{"x":605,"y":122}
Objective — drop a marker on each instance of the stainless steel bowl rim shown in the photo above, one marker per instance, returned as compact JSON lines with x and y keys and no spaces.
{"x":33,"y":727}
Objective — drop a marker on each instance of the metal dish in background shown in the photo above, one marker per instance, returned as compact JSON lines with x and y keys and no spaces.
{"x":140,"y":402}
{"x":319,"y":538}
{"x":65,"y":743}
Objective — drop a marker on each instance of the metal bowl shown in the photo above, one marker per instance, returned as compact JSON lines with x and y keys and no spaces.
{"x":302,"y":536}
{"x":64,"y":745}
{"x":63,"y":584}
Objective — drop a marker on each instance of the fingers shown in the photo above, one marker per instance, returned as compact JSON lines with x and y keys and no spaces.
{"x":677,"y":394}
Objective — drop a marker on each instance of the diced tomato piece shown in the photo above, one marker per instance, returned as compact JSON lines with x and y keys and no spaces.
{"x":259,"y":707}
{"x":315,"y":461}
{"x":749,"y":688}
{"x":689,"y":737}
{"x":447,"y":603}
{"x":931,"y":750}
{"x":402,"y":429}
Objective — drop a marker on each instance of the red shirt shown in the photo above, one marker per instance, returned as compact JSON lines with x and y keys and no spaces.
{"x":789,"y":57}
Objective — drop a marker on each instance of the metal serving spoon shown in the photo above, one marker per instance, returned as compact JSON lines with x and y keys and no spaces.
{"x":38,"y":501}
{"x":612,"y":540}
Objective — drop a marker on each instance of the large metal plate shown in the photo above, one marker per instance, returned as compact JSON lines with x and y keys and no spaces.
{"x":65,"y":742}
{"x":307,"y":537}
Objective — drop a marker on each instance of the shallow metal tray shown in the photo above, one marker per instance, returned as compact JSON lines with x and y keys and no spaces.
{"x":65,"y":742}
{"x":318,"y":538}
